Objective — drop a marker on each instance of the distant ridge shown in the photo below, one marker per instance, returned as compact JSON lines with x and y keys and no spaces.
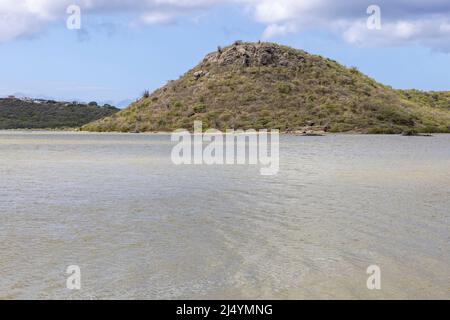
{"x":33,"y":113}
{"x":265,"y":85}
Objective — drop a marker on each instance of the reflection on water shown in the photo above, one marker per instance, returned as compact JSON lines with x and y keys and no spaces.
{"x":141,"y":227}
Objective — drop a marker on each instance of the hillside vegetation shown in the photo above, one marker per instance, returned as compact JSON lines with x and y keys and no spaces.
{"x":265,"y":85}
{"x":432,"y":98}
{"x":23,"y":114}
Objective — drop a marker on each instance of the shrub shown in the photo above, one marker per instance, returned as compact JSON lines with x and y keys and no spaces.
{"x":354,"y":70}
{"x":200,"y":108}
{"x":177,"y":104}
{"x":284,"y":88}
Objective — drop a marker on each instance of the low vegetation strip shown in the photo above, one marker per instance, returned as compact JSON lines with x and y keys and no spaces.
{"x":48,"y":114}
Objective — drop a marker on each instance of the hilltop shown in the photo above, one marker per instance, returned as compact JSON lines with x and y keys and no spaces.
{"x":265,"y":85}
{"x":28,"y":113}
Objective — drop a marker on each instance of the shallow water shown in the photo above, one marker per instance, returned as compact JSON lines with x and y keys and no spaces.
{"x":140,"y":227}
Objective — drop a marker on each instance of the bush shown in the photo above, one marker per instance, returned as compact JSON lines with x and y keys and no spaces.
{"x":354,"y":70}
{"x":284,"y":88}
{"x":177,"y":105}
{"x":200,"y":108}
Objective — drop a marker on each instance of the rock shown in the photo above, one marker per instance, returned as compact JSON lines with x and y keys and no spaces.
{"x":414,"y":133}
{"x":266,"y":59}
{"x":284,"y":63}
{"x":313,"y":134}
{"x":200,"y":74}
{"x":246,"y":62}
{"x":410,"y":133}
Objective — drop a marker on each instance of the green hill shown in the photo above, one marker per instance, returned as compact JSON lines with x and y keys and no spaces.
{"x":265,"y":85}
{"x":45,"y":114}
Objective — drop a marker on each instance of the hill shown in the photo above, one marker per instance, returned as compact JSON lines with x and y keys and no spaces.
{"x":48,"y":114}
{"x":265,"y":85}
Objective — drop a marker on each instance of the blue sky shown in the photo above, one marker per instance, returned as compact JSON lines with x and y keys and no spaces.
{"x":118,"y":52}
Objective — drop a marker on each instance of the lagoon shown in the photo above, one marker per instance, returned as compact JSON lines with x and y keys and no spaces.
{"x":140,"y":227}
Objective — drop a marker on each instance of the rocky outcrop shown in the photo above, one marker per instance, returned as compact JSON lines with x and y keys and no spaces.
{"x":256,"y":54}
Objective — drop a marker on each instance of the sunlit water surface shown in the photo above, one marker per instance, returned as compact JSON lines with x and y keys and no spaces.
{"x":141,"y":227}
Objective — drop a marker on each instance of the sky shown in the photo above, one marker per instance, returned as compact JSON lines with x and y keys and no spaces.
{"x":122,"y":48}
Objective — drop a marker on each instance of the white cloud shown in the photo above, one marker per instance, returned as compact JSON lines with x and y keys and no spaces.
{"x":26,"y":17}
{"x":403,"y":21}
{"x":445,"y":27}
{"x":157,"y":18}
{"x":390,"y":33}
{"x":275,"y":30}
{"x":434,"y":33}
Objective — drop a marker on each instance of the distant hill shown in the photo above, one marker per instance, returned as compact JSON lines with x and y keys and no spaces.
{"x":48,"y":114}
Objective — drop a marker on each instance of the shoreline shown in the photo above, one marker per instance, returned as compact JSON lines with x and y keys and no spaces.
{"x":161,"y":133}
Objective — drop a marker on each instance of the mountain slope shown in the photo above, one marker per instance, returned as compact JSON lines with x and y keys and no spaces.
{"x":47,"y":114}
{"x":265,"y":85}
